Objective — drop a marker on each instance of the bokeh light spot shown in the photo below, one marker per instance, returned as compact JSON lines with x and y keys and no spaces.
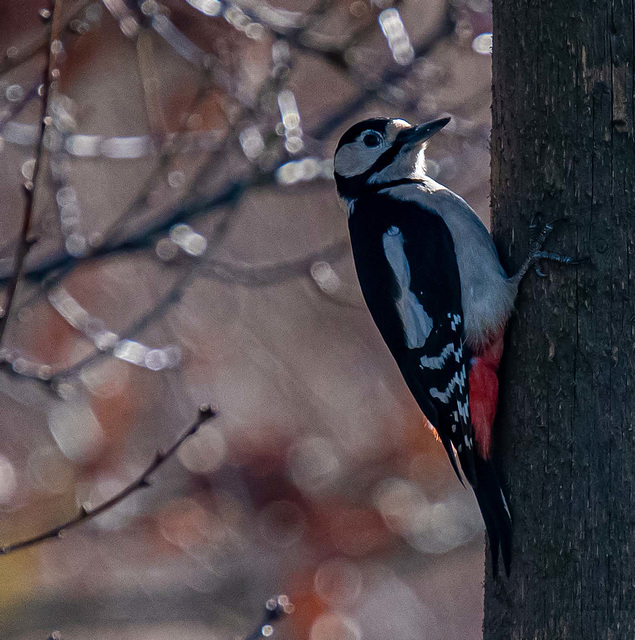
{"x":483,"y":43}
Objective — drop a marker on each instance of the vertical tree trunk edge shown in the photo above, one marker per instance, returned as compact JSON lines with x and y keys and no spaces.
{"x":563,"y":146}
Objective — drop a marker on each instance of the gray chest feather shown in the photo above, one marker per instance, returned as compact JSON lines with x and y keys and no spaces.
{"x":487,"y":297}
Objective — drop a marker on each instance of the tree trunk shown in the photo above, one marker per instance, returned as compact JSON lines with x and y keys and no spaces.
{"x":562,"y":145}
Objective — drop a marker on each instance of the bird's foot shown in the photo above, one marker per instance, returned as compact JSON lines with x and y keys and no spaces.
{"x":538,"y":236}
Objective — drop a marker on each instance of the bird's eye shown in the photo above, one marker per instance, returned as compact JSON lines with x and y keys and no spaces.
{"x":371,"y":139}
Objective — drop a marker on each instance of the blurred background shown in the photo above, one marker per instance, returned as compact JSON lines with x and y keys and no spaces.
{"x":190,"y":249}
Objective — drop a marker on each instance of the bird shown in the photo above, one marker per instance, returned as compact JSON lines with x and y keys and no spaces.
{"x":434,"y":285}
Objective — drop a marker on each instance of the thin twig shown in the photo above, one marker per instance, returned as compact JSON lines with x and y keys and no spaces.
{"x":321,"y":131}
{"x":24,"y":242}
{"x":61,"y":265}
{"x":275,"y":609}
{"x":150,"y":86}
{"x":15,"y":58}
{"x":161,"y":307}
{"x":158,"y":310}
{"x":119,"y":240}
{"x":243,"y":274}
{"x":145,"y":237}
{"x":205,"y":413}
{"x":258,"y":275}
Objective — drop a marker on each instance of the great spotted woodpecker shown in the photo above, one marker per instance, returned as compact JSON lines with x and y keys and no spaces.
{"x":433,"y":283}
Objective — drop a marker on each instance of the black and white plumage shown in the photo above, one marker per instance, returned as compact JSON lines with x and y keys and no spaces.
{"x":423,"y":323}
{"x":433,"y":283}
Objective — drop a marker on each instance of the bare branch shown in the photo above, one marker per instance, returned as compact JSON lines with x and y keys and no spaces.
{"x":205,"y":413}
{"x":24,"y":242}
{"x":144,"y":238}
{"x":150,"y":85}
{"x":394,"y":73}
{"x":275,"y":609}
{"x":252,"y":275}
{"x":158,"y":310}
{"x":120,"y":237}
{"x":15,"y":57}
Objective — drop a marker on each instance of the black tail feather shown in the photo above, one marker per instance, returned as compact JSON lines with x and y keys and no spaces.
{"x":466,"y":457}
{"x":447,"y":444}
{"x":496,"y":515}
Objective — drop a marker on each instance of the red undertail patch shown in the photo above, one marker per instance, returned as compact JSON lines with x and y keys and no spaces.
{"x":484,"y":393}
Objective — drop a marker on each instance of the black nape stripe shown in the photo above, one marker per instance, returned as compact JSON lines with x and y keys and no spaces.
{"x":393,"y":183}
{"x":354,"y":187}
{"x":387,"y":157}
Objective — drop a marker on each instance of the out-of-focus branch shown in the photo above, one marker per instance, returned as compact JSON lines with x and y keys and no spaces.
{"x":145,"y":237}
{"x":275,"y":609}
{"x":205,"y":413}
{"x":150,"y":85}
{"x":157,"y":19}
{"x":121,"y":239}
{"x":389,"y":77}
{"x":115,"y":241}
{"x":14,"y":57}
{"x":158,"y":310}
{"x":242,"y":274}
{"x":259,"y":275}
{"x":17,"y":107}
{"x":297,"y":32}
{"x":24,"y":242}
{"x":139,"y":240}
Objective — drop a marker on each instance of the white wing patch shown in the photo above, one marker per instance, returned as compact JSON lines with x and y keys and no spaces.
{"x":437,"y":362}
{"x":416,"y":322}
{"x":444,"y":396}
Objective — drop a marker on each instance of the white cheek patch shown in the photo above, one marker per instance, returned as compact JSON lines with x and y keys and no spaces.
{"x":355,"y":158}
{"x":417,"y":324}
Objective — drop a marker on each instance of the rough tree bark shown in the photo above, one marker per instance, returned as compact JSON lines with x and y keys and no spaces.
{"x":562,"y":145}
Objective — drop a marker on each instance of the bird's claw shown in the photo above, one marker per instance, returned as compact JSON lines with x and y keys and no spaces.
{"x":554,"y":257}
{"x":539,"y":235}
{"x":538,"y":238}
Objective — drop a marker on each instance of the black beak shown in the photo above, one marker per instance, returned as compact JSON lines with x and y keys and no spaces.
{"x":422,"y":132}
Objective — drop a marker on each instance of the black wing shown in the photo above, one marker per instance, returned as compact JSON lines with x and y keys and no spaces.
{"x":408,"y":273}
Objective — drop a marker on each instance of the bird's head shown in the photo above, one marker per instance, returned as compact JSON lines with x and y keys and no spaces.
{"x":381,"y":150}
